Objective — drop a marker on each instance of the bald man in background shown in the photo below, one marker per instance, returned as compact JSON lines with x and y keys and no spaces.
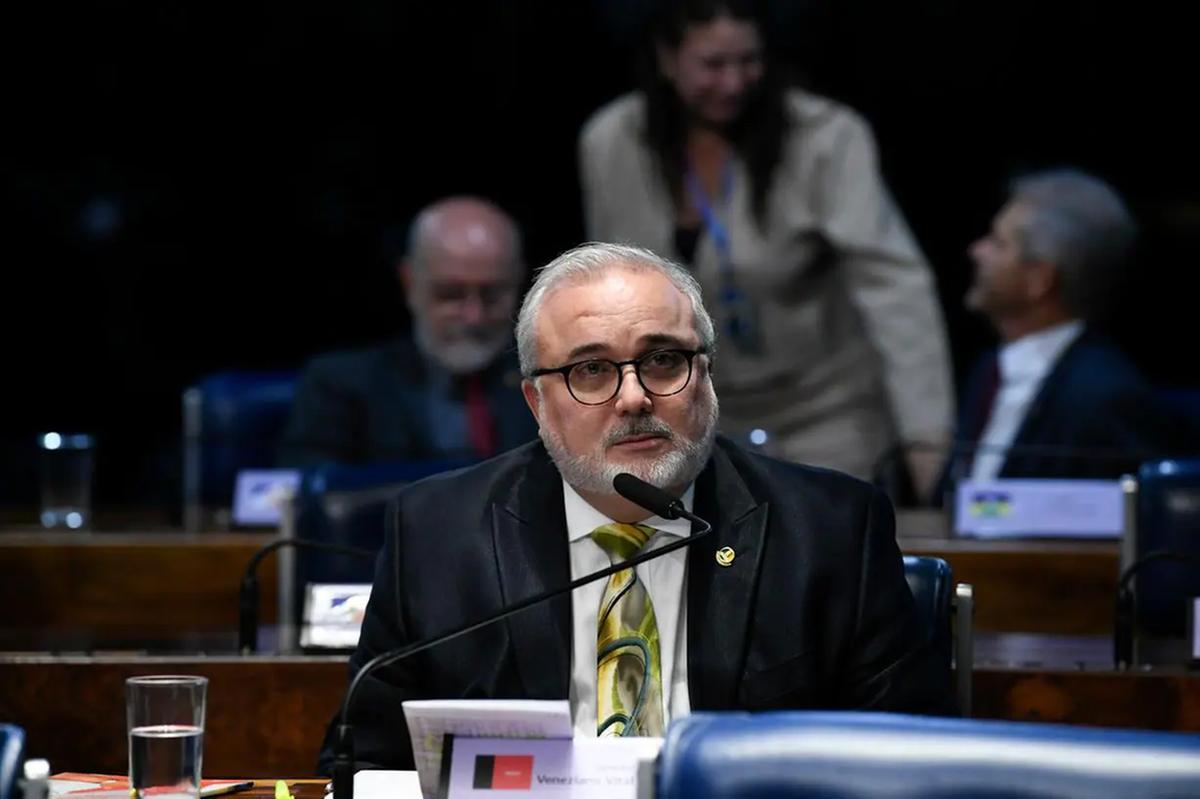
{"x":451,"y":390}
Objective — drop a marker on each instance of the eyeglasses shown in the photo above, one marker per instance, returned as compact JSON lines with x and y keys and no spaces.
{"x":597,"y":380}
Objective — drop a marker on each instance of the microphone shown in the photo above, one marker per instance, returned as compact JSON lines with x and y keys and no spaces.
{"x":631,"y":488}
{"x":248,"y":593}
{"x":1123,"y":621}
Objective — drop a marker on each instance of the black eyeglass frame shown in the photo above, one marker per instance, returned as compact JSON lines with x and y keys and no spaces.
{"x":636,"y":363}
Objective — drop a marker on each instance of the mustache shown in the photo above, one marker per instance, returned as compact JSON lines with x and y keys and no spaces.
{"x":639,"y":426}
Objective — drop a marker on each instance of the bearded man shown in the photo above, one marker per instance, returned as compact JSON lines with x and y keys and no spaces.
{"x":451,"y":390}
{"x":797,"y":599}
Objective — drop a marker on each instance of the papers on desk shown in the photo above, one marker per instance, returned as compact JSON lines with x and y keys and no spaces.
{"x":429,"y":721}
{"x":112,"y":786}
{"x":384,"y":785}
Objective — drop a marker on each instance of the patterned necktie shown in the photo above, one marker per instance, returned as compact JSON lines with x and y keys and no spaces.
{"x":629,"y":666}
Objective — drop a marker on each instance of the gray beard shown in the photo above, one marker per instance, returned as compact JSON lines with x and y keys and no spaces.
{"x":592,"y":472}
{"x":459,"y":357}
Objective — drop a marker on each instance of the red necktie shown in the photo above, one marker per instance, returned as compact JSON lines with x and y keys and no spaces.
{"x":479,"y":418}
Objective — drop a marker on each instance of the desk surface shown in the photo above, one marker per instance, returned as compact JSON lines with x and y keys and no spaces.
{"x":267,"y":715}
{"x":112,"y":590}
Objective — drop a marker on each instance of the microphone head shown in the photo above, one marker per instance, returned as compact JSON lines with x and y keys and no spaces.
{"x":639,"y":492}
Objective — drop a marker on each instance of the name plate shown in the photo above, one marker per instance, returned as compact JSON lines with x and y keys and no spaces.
{"x":1195,"y":628}
{"x":333,"y":614}
{"x":259,"y":495}
{"x":1040,"y":508}
{"x":595,"y":768}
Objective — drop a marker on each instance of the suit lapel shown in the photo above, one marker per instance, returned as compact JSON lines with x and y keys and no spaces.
{"x":720,"y":598}
{"x":530,"y":539}
{"x":1042,"y":406}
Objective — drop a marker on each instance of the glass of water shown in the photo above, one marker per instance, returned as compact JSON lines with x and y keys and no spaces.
{"x":165,"y":715}
{"x":66,"y":461}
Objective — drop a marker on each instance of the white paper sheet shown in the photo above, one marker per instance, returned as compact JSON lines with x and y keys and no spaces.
{"x":430,"y":720}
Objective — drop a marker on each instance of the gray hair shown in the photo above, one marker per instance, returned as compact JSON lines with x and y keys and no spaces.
{"x":590,"y":260}
{"x":1078,"y":223}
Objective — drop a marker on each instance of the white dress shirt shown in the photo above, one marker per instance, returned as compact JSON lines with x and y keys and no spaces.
{"x":1024,"y":364}
{"x":664,"y":579}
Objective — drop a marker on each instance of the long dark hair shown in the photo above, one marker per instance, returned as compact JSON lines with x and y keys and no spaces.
{"x":757,"y":135}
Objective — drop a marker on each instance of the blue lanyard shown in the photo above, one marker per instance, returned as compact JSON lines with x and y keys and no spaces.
{"x":717,"y":230}
{"x":741,"y":325}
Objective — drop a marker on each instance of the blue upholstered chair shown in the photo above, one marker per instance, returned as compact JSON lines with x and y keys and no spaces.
{"x":346,"y":505}
{"x":795,"y":754}
{"x":945,"y":609}
{"x":12,"y":748}
{"x":1163,"y":564}
{"x":231,"y":421}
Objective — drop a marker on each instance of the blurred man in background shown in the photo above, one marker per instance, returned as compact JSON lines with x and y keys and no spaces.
{"x":1056,"y":399}
{"x":451,"y":389}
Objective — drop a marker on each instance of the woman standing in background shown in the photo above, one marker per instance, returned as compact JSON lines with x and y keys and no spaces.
{"x":831,"y":337}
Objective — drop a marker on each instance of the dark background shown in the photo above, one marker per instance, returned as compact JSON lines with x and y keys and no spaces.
{"x":190,"y":187}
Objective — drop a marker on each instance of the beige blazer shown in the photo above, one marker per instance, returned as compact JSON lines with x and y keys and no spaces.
{"x":853,"y":353}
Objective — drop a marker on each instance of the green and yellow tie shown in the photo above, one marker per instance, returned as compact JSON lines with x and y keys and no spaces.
{"x":629,"y":666}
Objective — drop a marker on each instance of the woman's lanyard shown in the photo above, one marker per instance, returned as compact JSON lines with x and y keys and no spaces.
{"x":741,"y":322}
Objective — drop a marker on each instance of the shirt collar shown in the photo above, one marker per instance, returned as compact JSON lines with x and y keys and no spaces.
{"x":1031,"y":356}
{"x":582,"y":518}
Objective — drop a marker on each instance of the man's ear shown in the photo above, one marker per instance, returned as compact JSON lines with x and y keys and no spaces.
{"x":1041,"y":279}
{"x":532,"y":399}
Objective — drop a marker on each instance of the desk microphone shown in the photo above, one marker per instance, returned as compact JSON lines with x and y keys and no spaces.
{"x":631,"y":488}
{"x":248,"y":593}
{"x":1123,"y":621}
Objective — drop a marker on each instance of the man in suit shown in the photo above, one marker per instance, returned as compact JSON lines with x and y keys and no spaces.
{"x":1055,"y":400}
{"x":451,"y":391}
{"x":796,"y":600}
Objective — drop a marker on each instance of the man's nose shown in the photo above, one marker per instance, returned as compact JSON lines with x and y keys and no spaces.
{"x":474,"y":309}
{"x":631,"y":397}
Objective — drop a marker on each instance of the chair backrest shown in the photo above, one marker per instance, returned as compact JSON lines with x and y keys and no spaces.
{"x":851,"y":755}
{"x":12,"y":748}
{"x":931,"y":581}
{"x":232,"y":421}
{"x":348,"y":505}
{"x":1168,"y":520}
{"x":946,"y":610}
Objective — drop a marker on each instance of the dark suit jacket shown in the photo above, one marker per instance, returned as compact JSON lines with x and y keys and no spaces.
{"x":813,"y":613}
{"x":370,"y":405}
{"x":1093,"y":417}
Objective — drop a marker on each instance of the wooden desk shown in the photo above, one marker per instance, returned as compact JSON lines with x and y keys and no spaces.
{"x":267,"y":715}
{"x":105,"y":589}
{"x":1043,"y":586}
{"x":108,"y":590}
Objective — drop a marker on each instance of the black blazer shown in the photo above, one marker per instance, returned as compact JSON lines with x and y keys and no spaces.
{"x":1093,"y":417}
{"x":369,"y":405}
{"x":813,"y":613}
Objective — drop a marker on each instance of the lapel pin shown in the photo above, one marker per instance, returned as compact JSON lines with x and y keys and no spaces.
{"x":725,"y":556}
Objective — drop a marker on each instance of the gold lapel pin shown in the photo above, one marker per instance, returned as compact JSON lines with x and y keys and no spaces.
{"x":725,"y":556}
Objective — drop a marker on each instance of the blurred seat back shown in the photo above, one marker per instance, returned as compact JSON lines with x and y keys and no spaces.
{"x":12,"y":748}
{"x":945,"y":610}
{"x":348,"y":505}
{"x":868,"y":755}
{"x":1168,"y":520}
{"x":231,"y":421}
